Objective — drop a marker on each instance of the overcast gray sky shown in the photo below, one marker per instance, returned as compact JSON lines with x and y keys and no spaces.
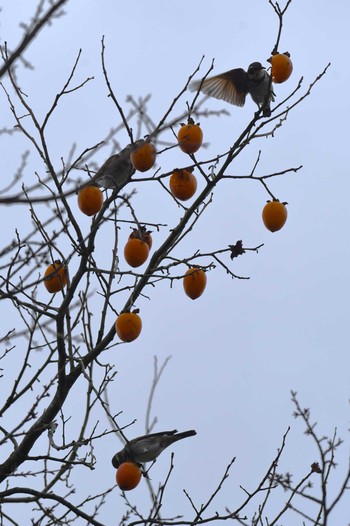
{"x":239,"y":349}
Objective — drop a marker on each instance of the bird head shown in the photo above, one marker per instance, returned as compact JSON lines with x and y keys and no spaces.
{"x":117,"y":460}
{"x":256,"y":71}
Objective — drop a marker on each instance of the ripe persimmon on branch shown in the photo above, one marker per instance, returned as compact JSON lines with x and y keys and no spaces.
{"x":65,"y":290}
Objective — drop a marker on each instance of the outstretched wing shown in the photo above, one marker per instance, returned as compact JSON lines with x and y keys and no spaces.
{"x":231,"y":86}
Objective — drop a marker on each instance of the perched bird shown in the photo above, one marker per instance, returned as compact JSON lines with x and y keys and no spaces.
{"x":147,"y":448}
{"x":116,"y":172}
{"x":233,"y":86}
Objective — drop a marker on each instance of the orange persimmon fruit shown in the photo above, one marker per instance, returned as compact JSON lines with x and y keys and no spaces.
{"x":143,"y":156}
{"x":128,"y":476}
{"x":274,"y":215}
{"x":90,"y":200}
{"x":136,"y":252}
{"x":194,"y":282}
{"x":142,"y":233}
{"x":190,"y":137}
{"x":281,"y":67}
{"x":55,"y":276}
{"x":128,"y":326}
{"x":183,"y":184}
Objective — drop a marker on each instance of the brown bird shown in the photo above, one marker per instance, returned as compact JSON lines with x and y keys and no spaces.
{"x":147,"y":448}
{"x":234,"y":85}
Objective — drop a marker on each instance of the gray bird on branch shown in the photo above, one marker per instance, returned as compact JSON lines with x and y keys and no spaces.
{"x":147,"y":448}
{"x":116,"y":172}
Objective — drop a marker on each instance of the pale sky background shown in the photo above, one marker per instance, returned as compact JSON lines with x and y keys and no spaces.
{"x":239,"y":349}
